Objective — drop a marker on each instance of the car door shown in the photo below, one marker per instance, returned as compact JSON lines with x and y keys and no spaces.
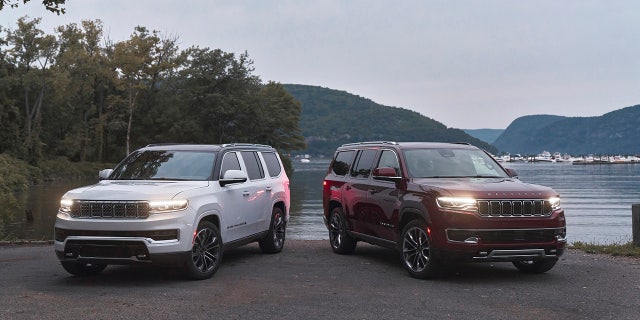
{"x":257,"y":194}
{"x":384,"y":199}
{"x":356,"y":190}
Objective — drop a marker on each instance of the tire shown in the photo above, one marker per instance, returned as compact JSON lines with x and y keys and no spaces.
{"x":340,"y":240}
{"x":273,"y":241}
{"x":535,"y":266}
{"x":416,"y":251}
{"x":206,"y":253}
{"x":82,"y":269}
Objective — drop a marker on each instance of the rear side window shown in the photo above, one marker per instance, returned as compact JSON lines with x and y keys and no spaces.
{"x":363,"y":165}
{"x":340,"y":166}
{"x":273,"y":165}
{"x":254,"y":168}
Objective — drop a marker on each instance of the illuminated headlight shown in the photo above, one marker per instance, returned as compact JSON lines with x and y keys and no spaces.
{"x":167,"y":205}
{"x":554,"y":202}
{"x":457,"y":203}
{"x":65,"y":205}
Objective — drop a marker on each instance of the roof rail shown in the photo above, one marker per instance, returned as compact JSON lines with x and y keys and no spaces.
{"x":246,"y":145}
{"x":163,"y":144}
{"x":369,"y":142}
{"x":465,"y":143}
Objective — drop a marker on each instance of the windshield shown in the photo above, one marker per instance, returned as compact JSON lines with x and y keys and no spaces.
{"x":165,"y":165}
{"x":451,"y":163}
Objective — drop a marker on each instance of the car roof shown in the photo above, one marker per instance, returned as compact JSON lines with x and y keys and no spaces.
{"x":407,"y":145}
{"x":207,"y":147}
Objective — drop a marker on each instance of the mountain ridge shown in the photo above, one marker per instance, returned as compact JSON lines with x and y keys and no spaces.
{"x":332,"y":117}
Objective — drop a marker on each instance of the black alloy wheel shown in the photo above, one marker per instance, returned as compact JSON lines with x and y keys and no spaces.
{"x":273,"y":241}
{"x":206,"y":253}
{"x":416,"y":250}
{"x":341,"y":241}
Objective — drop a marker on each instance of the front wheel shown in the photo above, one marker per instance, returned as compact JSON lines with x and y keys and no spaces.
{"x":206,"y":253}
{"x":82,"y":268}
{"x":535,"y":266}
{"x":273,"y":241}
{"x":416,"y":251}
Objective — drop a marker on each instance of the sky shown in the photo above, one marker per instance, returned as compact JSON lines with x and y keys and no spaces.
{"x":467,"y":64}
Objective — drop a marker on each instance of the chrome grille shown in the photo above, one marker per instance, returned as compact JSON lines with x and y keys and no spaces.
{"x":514,"y":208}
{"x":110,"y":209}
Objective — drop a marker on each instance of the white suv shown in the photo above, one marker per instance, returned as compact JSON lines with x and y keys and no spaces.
{"x":177,"y":204}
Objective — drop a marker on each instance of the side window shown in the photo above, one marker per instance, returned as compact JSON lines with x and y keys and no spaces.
{"x":389,"y":159}
{"x":342,"y":162}
{"x":254,"y":168}
{"x":363,"y":165}
{"x":273,"y":165}
{"x":229,"y":162}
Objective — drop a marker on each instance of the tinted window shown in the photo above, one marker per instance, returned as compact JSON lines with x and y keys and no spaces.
{"x":342,"y":162}
{"x":254,"y":168}
{"x":389,"y":159}
{"x":165,"y":165}
{"x":273,"y":165}
{"x":363,"y":165}
{"x":229,"y":162}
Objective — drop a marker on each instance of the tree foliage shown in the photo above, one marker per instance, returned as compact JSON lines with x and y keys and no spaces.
{"x":55,"y":6}
{"x":78,"y":95}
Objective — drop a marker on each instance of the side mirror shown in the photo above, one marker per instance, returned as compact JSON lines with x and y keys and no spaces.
{"x":512,"y":173}
{"x":386,"y":174}
{"x":104,"y":174}
{"x":233,"y":176}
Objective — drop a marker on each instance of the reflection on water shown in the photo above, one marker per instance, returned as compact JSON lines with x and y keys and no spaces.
{"x":597,"y":200}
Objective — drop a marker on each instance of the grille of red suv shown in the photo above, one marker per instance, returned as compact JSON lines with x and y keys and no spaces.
{"x":514,"y":208}
{"x":110,"y":209}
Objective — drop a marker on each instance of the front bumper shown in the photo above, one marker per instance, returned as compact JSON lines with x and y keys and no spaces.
{"x":161,"y":238}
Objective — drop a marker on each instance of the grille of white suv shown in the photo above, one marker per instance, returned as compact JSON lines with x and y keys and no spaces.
{"x":110,"y":209}
{"x":514,"y":208}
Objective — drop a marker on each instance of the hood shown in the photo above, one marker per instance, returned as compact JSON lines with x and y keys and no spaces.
{"x":134,"y":190}
{"x":485,"y":187}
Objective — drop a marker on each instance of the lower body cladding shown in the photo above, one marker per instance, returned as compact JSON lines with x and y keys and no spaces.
{"x":503,"y":244}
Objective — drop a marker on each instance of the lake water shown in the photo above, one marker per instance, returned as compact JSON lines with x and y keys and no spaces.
{"x":597,"y":200}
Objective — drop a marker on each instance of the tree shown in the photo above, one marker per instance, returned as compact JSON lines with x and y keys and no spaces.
{"x":54,"y":6}
{"x":83,"y":75}
{"x":32,"y":53}
{"x":277,"y":123}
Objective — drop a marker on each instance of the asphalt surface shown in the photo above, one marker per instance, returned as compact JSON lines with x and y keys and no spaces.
{"x":308,"y":281}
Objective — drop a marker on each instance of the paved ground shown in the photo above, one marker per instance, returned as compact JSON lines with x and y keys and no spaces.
{"x":308,"y":281}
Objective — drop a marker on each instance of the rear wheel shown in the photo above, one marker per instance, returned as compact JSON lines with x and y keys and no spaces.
{"x":206,"y":253}
{"x":535,"y":266}
{"x":273,"y":242}
{"x":341,"y":241}
{"x":416,"y":250}
{"x":82,"y":268}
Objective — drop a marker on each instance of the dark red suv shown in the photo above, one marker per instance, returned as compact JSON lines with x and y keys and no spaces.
{"x":440,"y":201}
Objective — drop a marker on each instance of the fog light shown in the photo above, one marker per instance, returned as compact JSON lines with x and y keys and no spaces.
{"x":472,"y":240}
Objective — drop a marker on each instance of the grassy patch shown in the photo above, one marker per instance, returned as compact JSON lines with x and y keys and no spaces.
{"x":614,"y":249}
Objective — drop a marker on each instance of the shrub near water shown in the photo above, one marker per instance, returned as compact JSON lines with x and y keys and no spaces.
{"x":15,"y":176}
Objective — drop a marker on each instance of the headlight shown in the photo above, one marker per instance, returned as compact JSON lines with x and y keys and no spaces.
{"x":167,"y":205}
{"x":554,"y":202}
{"x":65,"y":205}
{"x":457,"y":203}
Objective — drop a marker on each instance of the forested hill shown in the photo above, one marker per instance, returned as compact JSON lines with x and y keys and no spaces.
{"x":330,"y":118}
{"x":616,"y":132}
